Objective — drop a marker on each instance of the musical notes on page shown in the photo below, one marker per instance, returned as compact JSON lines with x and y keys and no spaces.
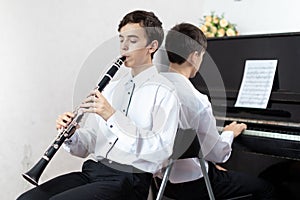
{"x":257,"y":83}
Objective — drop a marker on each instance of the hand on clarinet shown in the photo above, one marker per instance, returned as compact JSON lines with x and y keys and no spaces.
{"x":237,"y":128}
{"x":64,"y":119}
{"x":97,"y":103}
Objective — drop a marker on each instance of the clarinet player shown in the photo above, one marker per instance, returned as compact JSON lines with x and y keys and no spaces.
{"x":130,"y":128}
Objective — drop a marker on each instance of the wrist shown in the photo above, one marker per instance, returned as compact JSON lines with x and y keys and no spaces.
{"x":109,"y":114}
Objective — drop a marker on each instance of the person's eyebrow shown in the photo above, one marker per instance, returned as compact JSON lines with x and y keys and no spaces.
{"x":132,"y":36}
{"x":129,"y":36}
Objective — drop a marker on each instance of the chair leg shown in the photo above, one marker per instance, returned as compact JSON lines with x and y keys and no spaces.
{"x":164,"y":180}
{"x":206,"y":178}
{"x":208,"y":185}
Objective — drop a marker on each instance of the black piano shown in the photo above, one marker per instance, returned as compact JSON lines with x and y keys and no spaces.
{"x":273,"y":134}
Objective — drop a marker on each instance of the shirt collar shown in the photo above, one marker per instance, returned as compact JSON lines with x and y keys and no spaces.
{"x":177,"y":77}
{"x":142,"y":77}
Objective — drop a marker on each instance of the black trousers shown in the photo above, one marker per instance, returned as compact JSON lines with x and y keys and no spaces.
{"x":96,"y":181}
{"x":225,"y":185}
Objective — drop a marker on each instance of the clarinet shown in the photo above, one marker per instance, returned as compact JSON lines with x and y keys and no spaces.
{"x":36,"y":171}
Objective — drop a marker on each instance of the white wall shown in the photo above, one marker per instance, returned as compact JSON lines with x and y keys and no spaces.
{"x":258,"y":16}
{"x":43,"y":45}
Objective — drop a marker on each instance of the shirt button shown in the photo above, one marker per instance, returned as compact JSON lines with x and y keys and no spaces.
{"x":111,"y":126}
{"x":123,"y":110}
{"x":110,"y":143}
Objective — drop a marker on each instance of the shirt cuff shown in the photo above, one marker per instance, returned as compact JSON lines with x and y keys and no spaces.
{"x":227,"y":136}
{"x":72,"y":140}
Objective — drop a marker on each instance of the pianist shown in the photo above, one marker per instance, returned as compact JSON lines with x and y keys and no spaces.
{"x":196,"y":113}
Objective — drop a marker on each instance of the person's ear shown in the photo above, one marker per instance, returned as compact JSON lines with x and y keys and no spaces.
{"x":194,"y":57}
{"x":201,"y":54}
{"x":153,"y":46}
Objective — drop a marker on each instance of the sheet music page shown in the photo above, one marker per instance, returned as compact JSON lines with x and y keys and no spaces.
{"x":257,"y":83}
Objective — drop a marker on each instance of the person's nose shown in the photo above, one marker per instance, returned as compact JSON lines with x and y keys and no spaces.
{"x":124,"y":46}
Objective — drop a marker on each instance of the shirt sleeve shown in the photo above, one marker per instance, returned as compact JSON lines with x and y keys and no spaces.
{"x":227,"y":136}
{"x":82,"y":142}
{"x":215,"y":147}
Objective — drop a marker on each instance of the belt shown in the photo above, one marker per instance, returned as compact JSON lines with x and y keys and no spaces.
{"x":120,"y":167}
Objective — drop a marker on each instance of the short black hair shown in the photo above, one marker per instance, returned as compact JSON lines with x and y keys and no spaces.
{"x":182,"y":40}
{"x":148,"y":20}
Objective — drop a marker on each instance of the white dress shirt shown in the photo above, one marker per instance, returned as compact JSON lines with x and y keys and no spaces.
{"x":196,"y":113}
{"x":142,"y":130}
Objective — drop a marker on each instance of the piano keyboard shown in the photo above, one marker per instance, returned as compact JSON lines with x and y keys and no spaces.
{"x":282,"y":135}
{"x":274,"y":135}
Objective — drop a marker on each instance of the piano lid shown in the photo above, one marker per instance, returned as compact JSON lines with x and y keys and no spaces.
{"x":229,"y":54}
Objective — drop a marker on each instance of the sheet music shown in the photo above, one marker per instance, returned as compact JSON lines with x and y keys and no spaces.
{"x":257,"y":83}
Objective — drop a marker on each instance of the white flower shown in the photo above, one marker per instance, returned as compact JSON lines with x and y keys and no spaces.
{"x":211,"y":35}
{"x":221,"y":32}
{"x":208,"y":24}
{"x":223,"y":23}
{"x":213,"y":29}
{"x":203,"y":28}
{"x":230,"y":32}
{"x":215,"y":20}
{"x":208,"y":18}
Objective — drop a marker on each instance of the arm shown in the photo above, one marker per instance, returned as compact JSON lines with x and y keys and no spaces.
{"x":81,"y":143}
{"x":215,"y":147}
{"x":146,"y":135}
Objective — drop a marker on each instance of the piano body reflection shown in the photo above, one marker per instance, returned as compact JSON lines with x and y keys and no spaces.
{"x":273,"y":134}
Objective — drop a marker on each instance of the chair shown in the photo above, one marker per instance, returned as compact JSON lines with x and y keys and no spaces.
{"x":186,"y":146}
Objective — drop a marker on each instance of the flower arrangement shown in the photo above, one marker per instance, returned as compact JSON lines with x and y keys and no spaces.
{"x":217,"y":26}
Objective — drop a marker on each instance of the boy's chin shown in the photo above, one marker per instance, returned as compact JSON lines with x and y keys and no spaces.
{"x":126,"y":64}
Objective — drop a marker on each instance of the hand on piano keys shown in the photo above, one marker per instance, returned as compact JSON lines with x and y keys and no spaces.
{"x":237,"y":128}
